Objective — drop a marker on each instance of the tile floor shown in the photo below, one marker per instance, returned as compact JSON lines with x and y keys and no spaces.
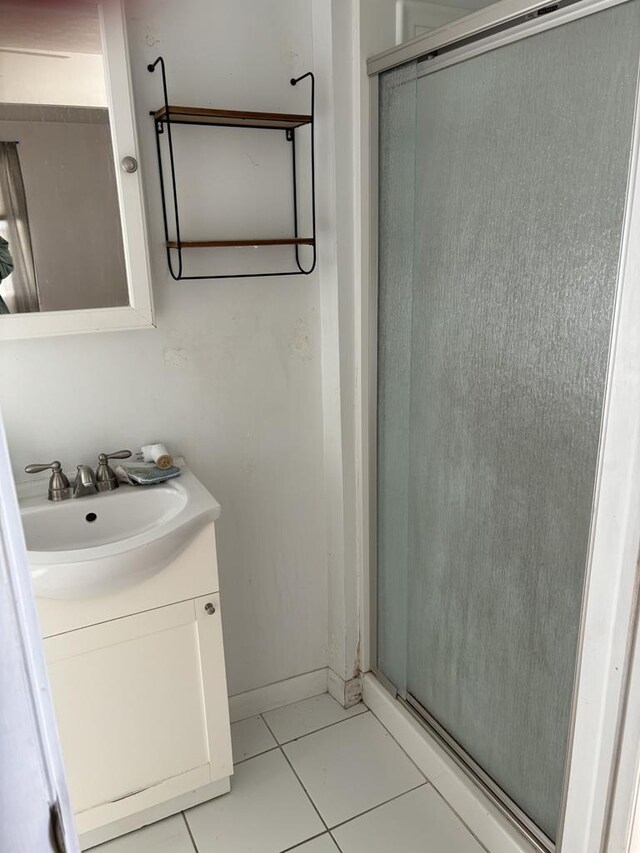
{"x":313,"y":778}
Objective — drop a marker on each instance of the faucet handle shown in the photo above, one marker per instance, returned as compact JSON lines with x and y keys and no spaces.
{"x":106,"y":479}
{"x":59,"y":488}
{"x":117,"y":454}
{"x":36,"y":468}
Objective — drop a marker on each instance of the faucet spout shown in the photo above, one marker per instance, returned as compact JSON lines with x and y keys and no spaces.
{"x":85,"y":482}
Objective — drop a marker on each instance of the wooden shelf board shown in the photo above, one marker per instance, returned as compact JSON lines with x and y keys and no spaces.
{"x":231,"y":118}
{"x":217,"y":244}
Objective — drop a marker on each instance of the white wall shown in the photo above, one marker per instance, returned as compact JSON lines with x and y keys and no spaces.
{"x":414,"y":18}
{"x":232,"y":375}
{"x":256,"y":381}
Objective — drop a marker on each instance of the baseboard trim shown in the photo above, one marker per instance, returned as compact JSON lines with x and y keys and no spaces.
{"x":253,"y":702}
{"x":484,"y":820}
{"x":347,"y":693}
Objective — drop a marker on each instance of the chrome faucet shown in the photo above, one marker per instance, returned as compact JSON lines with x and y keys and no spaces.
{"x":85,"y":482}
{"x":59,"y":488}
{"x":106,"y":479}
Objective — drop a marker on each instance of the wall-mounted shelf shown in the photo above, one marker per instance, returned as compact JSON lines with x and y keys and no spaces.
{"x":221,"y":244}
{"x":169,"y":115}
{"x":231,"y":118}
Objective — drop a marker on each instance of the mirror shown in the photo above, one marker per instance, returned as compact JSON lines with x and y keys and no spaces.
{"x":72,"y":237}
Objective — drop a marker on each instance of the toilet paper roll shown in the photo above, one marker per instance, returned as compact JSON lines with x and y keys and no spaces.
{"x":158,"y":454}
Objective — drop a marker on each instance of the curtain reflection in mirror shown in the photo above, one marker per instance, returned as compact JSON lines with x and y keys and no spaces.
{"x":18,"y":287}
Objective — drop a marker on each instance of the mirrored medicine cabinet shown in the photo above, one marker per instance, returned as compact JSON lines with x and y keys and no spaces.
{"x":73,"y":245}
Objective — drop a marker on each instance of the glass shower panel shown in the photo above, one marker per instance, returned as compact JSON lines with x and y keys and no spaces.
{"x":397,"y":140}
{"x":492,"y":371}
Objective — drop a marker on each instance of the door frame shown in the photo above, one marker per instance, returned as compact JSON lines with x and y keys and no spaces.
{"x":603,"y":752}
{"x":15,"y":584}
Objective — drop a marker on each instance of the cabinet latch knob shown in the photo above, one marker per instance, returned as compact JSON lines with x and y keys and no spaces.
{"x":210,"y":609}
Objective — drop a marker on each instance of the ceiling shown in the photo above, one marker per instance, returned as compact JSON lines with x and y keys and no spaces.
{"x":60,"y":26}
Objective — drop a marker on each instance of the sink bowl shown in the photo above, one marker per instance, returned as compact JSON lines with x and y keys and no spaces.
{"x":85,"y":547}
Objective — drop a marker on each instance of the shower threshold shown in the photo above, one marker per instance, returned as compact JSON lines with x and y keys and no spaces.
{"x":478,"y":776}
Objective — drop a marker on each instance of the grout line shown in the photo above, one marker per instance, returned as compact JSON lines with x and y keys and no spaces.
{"x":378,"y":805}
{"x":249,"y":757}
{"x":459,"y":818}
{"x":278,"y":744}
{"x":322,"y":728}
{"x":329,"y":830}
{"x":301,"y":843}
{"x":331,"y":836}
{"x":400,"y":746}
{"x":286,"y":758}
{"x":366,"y":811}
{"x":193,"y":841}
{"x":431,"y":782}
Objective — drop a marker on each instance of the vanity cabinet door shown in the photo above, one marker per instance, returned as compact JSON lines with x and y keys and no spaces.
{"x":132,"y":700}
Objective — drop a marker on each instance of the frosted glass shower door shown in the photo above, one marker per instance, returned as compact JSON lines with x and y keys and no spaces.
{"x":502,"y":193}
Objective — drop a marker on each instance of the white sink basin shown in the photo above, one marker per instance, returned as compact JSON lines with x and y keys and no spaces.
{"x":85,"y":547}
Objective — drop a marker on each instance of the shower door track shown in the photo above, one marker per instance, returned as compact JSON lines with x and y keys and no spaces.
{"x":478,"y":776}
{"x":483,"y":31}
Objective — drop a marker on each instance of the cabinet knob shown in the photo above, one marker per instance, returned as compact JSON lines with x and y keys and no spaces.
{"x":129,"y":164}
{"x":210,"y":609}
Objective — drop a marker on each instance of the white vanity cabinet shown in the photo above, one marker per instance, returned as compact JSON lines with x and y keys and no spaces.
{"x":140,"y":696}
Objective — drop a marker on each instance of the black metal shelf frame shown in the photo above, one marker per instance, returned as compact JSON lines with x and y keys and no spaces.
{"x":163,"y":118}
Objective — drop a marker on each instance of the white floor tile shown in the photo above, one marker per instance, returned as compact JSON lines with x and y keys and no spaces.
{"x":266,"y":811}
{"x":302,"y":718}
{"x":323,"y":844}
{"x":351,"y":767}
{"x":417,"y":822}
{"x":166,"y":836}
{"x":250,"y":737}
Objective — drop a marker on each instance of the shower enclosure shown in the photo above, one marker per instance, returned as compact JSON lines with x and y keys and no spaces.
{"x":505,"y":174}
